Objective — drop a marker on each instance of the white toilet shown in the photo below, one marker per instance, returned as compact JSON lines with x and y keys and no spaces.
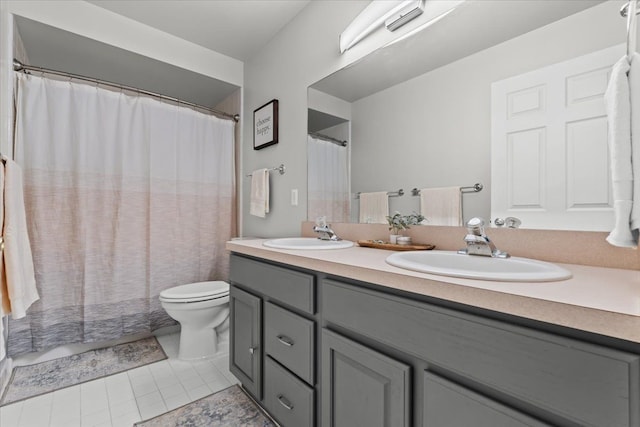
{"x":202,"y":309}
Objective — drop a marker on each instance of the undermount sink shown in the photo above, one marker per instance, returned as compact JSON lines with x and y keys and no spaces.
{"x":453,"y":264}
{"x":307,"y":243}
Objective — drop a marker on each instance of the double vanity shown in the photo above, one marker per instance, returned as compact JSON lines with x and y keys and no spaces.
{"x":344,"y":338}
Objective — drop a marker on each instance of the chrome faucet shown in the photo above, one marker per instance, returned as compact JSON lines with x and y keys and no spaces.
{"x":479,"y":243}
{"x":325,"y":232}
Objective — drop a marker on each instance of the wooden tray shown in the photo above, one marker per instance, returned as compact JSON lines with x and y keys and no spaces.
{"x":394,"y":247}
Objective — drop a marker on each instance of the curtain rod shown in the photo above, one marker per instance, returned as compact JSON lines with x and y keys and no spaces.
{"x":18,"y":66}
{"x":328,"y":139}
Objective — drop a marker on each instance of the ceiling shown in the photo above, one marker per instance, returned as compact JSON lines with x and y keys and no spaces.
{"x":236,"y":28}
{"x":240,"y":28}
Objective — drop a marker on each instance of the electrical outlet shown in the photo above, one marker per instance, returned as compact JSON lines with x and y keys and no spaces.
{"x":294,"y":197}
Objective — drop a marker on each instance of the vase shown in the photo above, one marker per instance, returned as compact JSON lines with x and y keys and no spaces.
{"x":393,"y":238}
{"x":403,"y":240}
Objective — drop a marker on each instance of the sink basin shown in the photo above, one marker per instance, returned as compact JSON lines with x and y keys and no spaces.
{"x":307,"y":243}
{"x":445,"y":263}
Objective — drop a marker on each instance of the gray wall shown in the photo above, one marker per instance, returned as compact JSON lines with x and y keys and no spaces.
{"x":303,"y":52}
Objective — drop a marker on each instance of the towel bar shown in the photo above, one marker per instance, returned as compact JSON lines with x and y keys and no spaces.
{"x":280,"y":169}
{"x":470,"y":189}
{"x":398,"y":193}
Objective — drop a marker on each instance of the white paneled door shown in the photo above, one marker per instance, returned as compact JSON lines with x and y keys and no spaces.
{"x":549,"y":161}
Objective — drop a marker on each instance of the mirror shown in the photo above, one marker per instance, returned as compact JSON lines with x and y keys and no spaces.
{"x":328,"y":167}
{"x":419,"y":110}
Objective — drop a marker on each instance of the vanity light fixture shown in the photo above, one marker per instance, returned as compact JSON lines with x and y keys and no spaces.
{"x":375,"y":15}
{"x":434,"y":11}
{"x":411,"y":11}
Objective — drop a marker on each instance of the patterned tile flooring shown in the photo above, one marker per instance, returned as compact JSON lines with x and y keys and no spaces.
{"x":122,"y":399}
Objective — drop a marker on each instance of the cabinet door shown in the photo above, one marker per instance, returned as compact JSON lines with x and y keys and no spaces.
{"x":361,"y":387}
{"x":447,"y":404}
{"x":245,"y":352}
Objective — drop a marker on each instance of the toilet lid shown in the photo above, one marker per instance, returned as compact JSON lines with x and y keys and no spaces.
{"x":197,"y":290}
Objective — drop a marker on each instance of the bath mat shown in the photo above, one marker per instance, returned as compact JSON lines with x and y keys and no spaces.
{"x":230,"y":407}
{"x":41,"y":378}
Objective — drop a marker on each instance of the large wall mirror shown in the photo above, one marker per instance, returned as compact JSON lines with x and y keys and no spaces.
{"x":418,"y":113}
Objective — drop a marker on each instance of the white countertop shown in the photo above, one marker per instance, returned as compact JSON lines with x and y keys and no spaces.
{"x":600,"y":300}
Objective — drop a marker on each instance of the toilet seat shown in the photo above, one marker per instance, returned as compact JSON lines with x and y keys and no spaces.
{"x":195,"y":292}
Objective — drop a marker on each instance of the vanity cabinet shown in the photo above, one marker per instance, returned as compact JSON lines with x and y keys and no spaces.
{"x":281,"y":303}
{"x":371,"y":356}
{"x":245,"y":348}
{"x":362,"y":387}
{"x":549,"y":377}
{"x":447,"y":404}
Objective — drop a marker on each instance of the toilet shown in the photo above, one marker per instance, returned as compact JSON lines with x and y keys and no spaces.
{"x":202,"y":309}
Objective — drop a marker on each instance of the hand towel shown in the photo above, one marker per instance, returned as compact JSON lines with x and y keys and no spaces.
{"x":259,"y":205}
{"x":374,"y":207}
{"x":618,"y":108}
{"x":441,"y":206}
{"x":18,"y":260}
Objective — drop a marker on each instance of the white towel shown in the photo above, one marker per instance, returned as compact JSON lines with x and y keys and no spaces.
{"x":441,"y":206}
{"x":618,"y":107}
{"x":18,"y":261}
{"x":374,"y":207}
{"x":259,"y":205}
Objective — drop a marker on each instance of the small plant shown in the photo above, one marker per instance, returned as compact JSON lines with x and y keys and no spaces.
{"x":399,"y":222}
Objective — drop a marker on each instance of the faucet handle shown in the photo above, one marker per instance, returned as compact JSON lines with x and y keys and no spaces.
{"x":321,"y":221}
{"x":476,"y":226}
{"x":512,"y":222}
{"x":509,"y":222}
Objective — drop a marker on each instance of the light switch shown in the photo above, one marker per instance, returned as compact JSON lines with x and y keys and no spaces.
{"x":294,"y":197}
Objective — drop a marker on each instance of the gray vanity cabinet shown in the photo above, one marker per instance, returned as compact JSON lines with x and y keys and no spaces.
{"x":283,"y":303}
{"x":361,"y":387}
{"x":383,"y":358}
{"x":550,"y":377}
{"x":447,"y":404}
{"x":245,"y":360}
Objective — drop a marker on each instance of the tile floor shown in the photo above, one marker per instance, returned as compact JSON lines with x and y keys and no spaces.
{"x":122,"y":399}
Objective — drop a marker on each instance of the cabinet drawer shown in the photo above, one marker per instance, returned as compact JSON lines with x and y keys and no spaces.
{"x":448,"y":404}
{"x":288,"y":400}
{"x":290,"y":287}
{"x":289,"y":339}
{"x":584,"y":383}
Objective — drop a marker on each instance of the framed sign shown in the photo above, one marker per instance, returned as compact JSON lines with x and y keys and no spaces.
{"x":265,"y":125}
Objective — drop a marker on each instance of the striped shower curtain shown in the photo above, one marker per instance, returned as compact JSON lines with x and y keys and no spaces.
{"x":328,"y":181}
{"x":125,"y":196}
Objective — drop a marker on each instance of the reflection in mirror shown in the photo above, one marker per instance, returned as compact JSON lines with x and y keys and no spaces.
{"x":421,"y":109}
{"x":328,"y":167}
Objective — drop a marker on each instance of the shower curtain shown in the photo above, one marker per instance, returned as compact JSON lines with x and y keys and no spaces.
{"x":125,"y":196}
{"x":328,"y":186}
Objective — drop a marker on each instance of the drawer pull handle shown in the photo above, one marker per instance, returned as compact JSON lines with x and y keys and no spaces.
{"x":285,"y":340}
{"x":284,"y":402}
